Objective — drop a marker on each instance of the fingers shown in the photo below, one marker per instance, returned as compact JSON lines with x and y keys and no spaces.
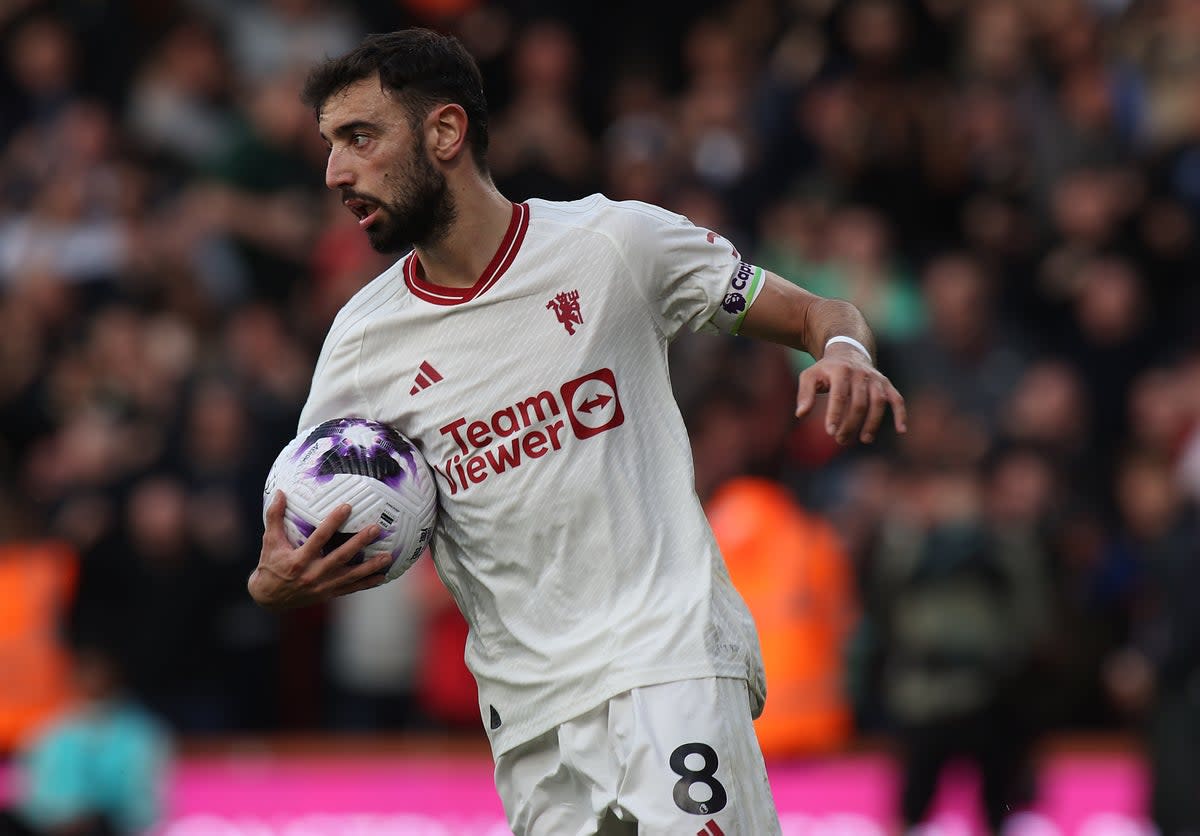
{"x":370,"y":581}
{"x":347,"y":578}
{"x":855,"y":408}
{"x":899,"y":411}
{"x":813,"y":381}
{"x":288,"y":577}
{"x":333,"y":573}
{"x":875,"y":411}
{"x":328,"y":527}
{"x":274,"y":516}
{"x":347,"y":550}
{"x":274,"y":536}
{"x":807,"y":394}
{"x":876,"y":393}
{"x":840,"y":394}
{"x":858,"y":400}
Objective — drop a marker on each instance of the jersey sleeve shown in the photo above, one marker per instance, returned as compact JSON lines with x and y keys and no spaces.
{"x":335,"y":392}
{"x":689,"y":275}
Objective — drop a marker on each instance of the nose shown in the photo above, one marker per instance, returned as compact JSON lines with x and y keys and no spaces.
{"x":337,"y":174}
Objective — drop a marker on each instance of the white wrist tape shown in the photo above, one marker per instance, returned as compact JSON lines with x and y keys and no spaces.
{"x":849,"y":341}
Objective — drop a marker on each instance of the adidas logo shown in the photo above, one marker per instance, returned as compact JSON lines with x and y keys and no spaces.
{"x":427,"y":377}
{"x":711,"y":828}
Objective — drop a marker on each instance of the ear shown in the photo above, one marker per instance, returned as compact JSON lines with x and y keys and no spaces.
{"x":446,"y":132}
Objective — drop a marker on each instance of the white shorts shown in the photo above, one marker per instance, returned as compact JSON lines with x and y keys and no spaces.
{"x":675,"y":759}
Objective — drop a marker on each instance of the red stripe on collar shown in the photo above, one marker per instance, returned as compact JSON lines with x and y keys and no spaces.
{"x":504,"y":256}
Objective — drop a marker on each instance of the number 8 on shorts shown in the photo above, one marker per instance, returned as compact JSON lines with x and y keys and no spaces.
{"x":703,"y":774}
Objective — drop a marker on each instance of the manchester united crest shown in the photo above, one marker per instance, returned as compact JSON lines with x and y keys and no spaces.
{"x":566,"y":309}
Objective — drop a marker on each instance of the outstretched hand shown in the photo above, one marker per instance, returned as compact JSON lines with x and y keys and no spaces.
{"x":859,"y":395}
{"x":287,"y":578}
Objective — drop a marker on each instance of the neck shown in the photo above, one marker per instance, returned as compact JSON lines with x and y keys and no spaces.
{"x":481,"y":220}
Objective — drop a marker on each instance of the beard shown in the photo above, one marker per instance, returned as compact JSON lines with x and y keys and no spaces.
{"x":420,"y":212}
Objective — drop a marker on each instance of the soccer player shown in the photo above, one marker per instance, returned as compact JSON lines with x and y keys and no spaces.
{"x":523,"y":348}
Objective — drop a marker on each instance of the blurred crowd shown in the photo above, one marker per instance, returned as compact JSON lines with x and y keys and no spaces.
{"x":1009,"y":189}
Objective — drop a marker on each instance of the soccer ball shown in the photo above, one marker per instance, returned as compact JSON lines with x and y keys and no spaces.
{"x":369,"y":465}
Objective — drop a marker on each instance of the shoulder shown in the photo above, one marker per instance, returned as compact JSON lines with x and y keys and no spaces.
{"x":625,"y":223}
{"x":364,"y":305}
{"x":601,"y":213}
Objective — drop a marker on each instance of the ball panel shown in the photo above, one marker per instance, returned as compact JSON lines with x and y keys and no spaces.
{"x":372,"y":467}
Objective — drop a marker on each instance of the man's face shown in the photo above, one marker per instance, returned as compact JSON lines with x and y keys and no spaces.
{"x":380,"y":165}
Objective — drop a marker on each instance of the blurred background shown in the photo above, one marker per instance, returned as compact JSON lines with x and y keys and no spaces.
{"x":1010,"y":191}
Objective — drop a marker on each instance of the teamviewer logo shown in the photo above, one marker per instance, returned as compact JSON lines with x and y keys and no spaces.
{"x":592,"y":403}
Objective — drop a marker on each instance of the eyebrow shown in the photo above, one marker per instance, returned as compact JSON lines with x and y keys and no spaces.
{"x":352,"y":128}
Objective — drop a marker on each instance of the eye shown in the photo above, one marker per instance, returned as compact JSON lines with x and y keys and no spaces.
{"x":359,"y":140}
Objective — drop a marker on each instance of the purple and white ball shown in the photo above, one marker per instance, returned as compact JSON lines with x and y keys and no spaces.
{"x":372,"y":467}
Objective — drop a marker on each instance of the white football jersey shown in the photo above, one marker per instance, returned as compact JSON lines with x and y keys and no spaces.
{"x":570,"y":532}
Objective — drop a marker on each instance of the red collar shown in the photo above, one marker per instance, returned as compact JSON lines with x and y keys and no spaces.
{"x":505,"y":253}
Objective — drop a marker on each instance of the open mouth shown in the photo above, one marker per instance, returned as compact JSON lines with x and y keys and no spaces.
{"x":364,"y":210}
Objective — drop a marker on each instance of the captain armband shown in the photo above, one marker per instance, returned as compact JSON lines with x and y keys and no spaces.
{"x":744,"y":285}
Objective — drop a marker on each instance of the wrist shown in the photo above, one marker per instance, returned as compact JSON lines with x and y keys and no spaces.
{"x":853,"y":343}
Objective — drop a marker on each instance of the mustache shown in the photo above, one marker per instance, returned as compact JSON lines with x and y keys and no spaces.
{"x":350,"y":194}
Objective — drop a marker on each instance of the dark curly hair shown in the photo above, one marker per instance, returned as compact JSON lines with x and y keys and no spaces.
{"x":421,"y":67}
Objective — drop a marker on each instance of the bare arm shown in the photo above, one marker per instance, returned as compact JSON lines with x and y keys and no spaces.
{"x":859,"y":393}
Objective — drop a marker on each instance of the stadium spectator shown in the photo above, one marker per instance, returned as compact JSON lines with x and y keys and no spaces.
{"x":798,"y":582}
{"x":958,"y":590}
{"x":1155,"y":673}
{"x":37,"y":581}
{"x":218,"y":470}
{"x":270,"y":38}
{"x":181,"y":100}
{"x":97,"y":769}
{"x":541,"y":145}
{"x":150,"y":557}
{"x":42,"y":57}
{"x":966,"y":350}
